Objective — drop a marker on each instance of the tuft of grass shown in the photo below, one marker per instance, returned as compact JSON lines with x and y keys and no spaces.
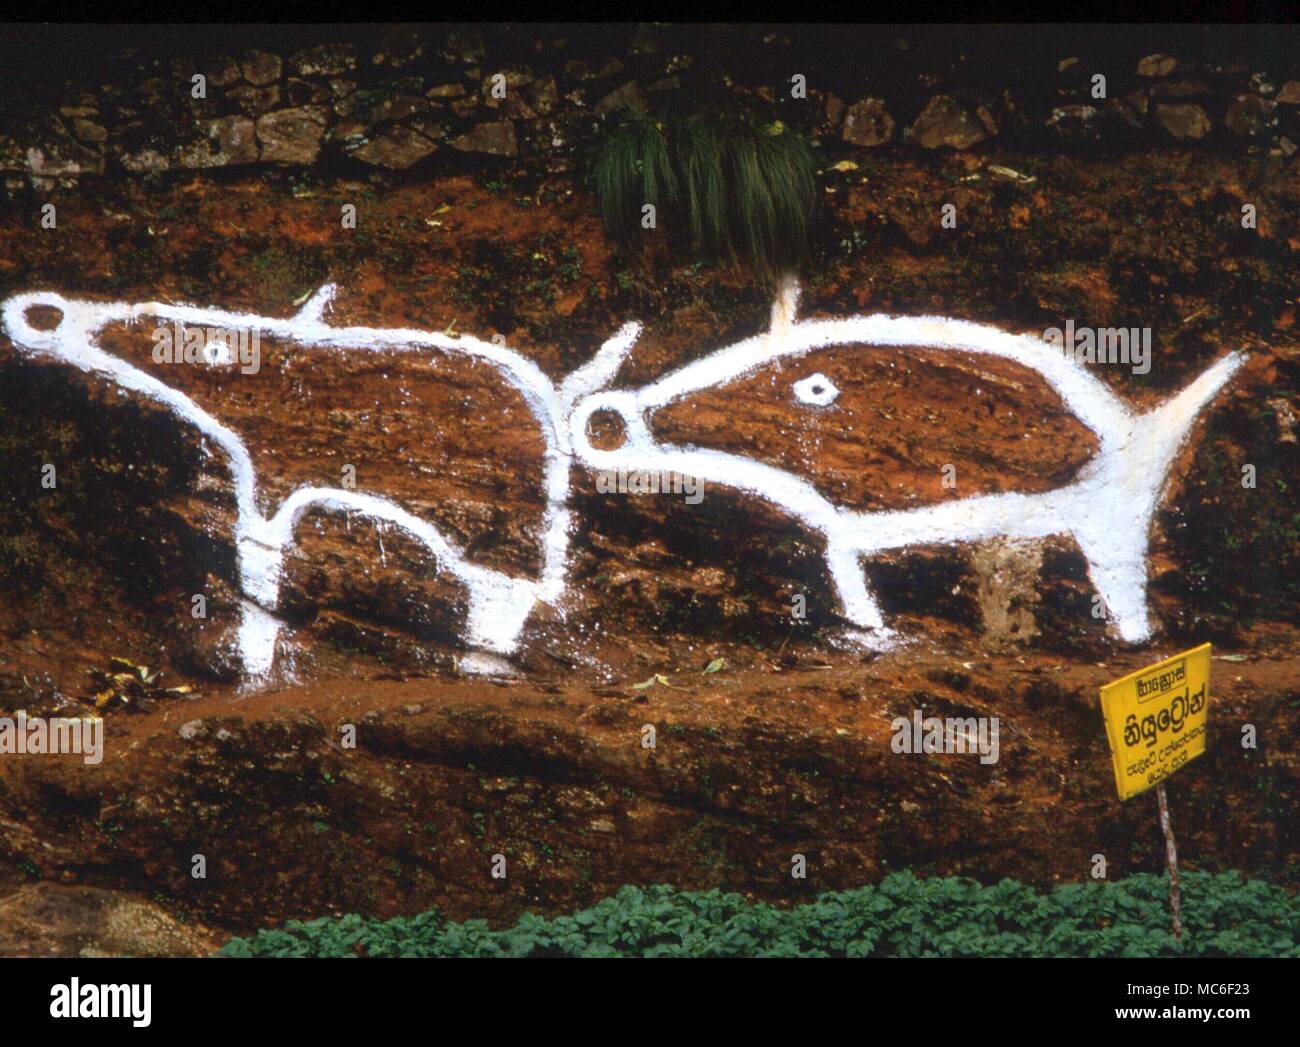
{"x":698,"y":153}
{"x":771,"y":175}
{"x":634,"y":169}
{"x":741,"y":191}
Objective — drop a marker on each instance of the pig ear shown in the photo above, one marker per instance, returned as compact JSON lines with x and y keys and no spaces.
{"x":597,"y":372}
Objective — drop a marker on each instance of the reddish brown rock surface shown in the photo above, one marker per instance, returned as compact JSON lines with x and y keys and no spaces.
{"x":785,"y":750}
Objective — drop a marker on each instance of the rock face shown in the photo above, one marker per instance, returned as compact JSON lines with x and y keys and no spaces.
{"x":255,"y":100}
{"x":868,"y":124}
{"x":1075,"y":123}
{"x":861,"y":471}
{"x":398,"y":149}
{"x":452,"y":442}
{"x":1157,"y":65}
{"x":629,"y":96}
{"x":471,"y":85}
{"x":291,"y":136}
{"x":943,"y":122}
{"x":443,"y":478}
{"x":496,"y":139}
{"x":260,"y":67}
{"x":1184,"y":122}
{"x":64,"y":920}
{"x":324,"y":60}
{"x":749,"y":766}
{"x":1249,"y":116}
{"x":772,"y":735}
{"x":230,"y":141}
{"x":223,"y":71}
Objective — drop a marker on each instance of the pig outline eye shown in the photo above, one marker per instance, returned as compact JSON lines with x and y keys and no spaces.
{"x":816,"y":390}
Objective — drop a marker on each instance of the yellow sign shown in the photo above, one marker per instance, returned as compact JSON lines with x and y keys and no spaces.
{"x":1156,"y":719}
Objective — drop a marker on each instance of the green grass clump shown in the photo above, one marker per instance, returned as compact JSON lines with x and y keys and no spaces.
{"x":1223,"y":915}
{"x":741,"y":191}
{"x":634,"y":169}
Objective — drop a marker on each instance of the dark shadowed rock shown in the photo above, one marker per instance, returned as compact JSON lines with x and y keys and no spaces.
{"x":428,"y":127}
{"x":577,"y":69}
{"x":513,"y":104}
{"x":1122,"y":111}
{"x":54,"y":153}
{"x":255,"y":100}
{"x":324,"y":60}
{"x":291,"y":136}
{"x":1290,"y":93}
{"x":463,"y":107}
{"x":1075,"y":123}
{"x":629,"y":96}
{"x":399,"y":107}
{"x":304,"y":92}
{"x":223,"y":71}
{"x":544,"y":95}
{"x":87,"y":131}
{"x":1249,"y":115}
{"x":1179,"y":89}
{"x":260,"y":67}
{"x":832,"y":112}
{"x":944,"y":122}
{"x":1185,"y":122}
{"x":144,"y":160}
{"x":228,"y":141}
{"x":498,"y":139}
{"x":1157,"y":65}
{"x":514,"y":78}
{"x":1261,"y":83}
{"x":398,"y":148}
{"x":349,"y":131}
{"x":157,"y":92}
{"x":867,"y":123}
{"x":988,"y":117}
{"x":445,"y":92}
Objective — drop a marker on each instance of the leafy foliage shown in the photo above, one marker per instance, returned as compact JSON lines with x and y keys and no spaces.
{"x":742,"y":190}
{"x":904,"y":915}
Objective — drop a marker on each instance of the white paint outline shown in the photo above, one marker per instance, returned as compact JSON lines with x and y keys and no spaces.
{"x":1108,"y":510}
{"x":499,"y":603}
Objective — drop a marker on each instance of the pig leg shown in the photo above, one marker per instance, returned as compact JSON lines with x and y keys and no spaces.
{"x":260,"y":567}
{"x":856,"y":602}
{"x":1117,"y":567}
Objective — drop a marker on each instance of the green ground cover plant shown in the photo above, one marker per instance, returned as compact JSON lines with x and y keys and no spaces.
{"x":904,"y":915}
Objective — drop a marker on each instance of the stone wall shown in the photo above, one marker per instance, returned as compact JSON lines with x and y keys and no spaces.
{"x":411,"y":98}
